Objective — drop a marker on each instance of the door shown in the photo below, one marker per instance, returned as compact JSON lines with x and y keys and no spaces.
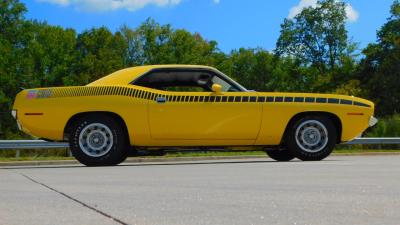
{"x":186,"y":109}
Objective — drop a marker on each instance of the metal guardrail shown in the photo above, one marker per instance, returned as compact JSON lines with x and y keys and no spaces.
{"x":374,"y":141}
{"x":32,"y":144}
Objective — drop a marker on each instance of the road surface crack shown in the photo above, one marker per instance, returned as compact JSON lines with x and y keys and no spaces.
{"x":76,"y":200}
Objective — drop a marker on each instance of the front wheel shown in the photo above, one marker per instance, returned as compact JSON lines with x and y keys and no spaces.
{"x":98,"y":140}
{"x":311,"y":138}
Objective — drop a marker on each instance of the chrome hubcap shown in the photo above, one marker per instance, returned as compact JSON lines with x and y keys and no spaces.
{"x":96,"y":139}
{"x":311,"y":136}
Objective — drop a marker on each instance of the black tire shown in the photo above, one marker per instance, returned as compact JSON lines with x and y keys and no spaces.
{"x":281,"y":155}
{"x":297,"y":139}
{"x":111,"y":134}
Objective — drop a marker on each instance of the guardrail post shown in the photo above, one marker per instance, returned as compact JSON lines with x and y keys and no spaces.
{"x":17,"y":153}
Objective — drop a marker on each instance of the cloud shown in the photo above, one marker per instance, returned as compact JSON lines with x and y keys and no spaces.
{"x":109,"y":5}
{"x":351,"y":13}
{"x":302,"y":4}
{"x":216,"y":1}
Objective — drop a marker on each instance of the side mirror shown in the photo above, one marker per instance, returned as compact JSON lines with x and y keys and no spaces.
{"x":216,"y":88}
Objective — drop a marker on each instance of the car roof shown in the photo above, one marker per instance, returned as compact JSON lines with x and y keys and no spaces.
{"x":125,"y":76}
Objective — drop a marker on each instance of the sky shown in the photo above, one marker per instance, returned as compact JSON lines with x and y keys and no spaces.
{"x":232,"y":23}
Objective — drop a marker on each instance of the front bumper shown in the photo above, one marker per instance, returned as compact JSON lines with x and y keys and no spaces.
{"x":372,"y":121}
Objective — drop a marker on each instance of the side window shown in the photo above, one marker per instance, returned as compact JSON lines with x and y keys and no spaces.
{"x":183,"y":80}
{"x":226,"y":87}
{"x":185,"y":89}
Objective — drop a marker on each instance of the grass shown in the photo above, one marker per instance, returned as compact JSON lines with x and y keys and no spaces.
{"x":190,"y":154}
{"x":33,"y":158}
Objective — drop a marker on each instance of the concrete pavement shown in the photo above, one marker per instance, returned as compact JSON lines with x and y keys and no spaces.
{"x":339,"y":190}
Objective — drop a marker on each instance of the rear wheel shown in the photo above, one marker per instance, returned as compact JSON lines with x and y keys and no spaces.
{"x":98,"y":140}
{"x":281,"y":155}
{"x":311,"y":138}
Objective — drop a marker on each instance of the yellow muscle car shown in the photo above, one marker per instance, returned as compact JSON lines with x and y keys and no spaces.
{"x":164,"y":106}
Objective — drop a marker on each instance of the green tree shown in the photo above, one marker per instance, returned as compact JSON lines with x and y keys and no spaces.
{"x":261,"y":70}
{"x":11,"y":21}
{"x":99,"y":52}
{"x":190,"y":48}
{"x":317,"y":36}
{"x":50,"y":52}
{"x":252,"y":68}
{"x":148,"y":43}
{"x":134,"y":53}
{"x":152,"y":43}
{"x":380,"y":70}
{"x":11,"y":17}
{"x":32,"y":54}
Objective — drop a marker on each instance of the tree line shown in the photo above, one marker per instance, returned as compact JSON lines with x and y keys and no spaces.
{"x":313,"y":54}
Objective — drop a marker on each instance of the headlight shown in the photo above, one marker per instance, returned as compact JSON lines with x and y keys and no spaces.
{"x":14,"y":113}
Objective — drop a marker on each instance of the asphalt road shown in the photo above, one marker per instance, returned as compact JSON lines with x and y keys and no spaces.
{"x":339,"y":190}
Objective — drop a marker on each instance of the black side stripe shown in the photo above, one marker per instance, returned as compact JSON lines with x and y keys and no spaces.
{"x":333,"y":101}
{"x":345,"y":102}
{"x":279,"y":99}
{"x":361,"y":104}
{"x":288,"y":99}
{"x":310,"y":99}
{"x":299,"y":99}
{"x":149,"y":95}
{"x":321,"y":100}
{"x":238,"y":99}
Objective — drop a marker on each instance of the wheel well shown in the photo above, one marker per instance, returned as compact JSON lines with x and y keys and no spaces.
{"x":335,"y":119}
{"x":76,"y":117}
